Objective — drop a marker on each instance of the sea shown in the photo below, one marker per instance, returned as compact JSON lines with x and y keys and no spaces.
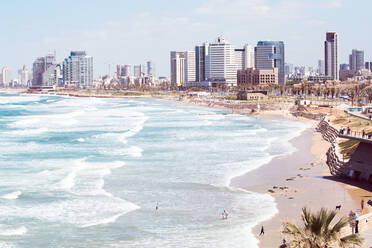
{"x":134,"y":172}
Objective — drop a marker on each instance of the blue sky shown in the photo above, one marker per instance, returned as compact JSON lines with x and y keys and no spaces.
{"x":132,"y":32}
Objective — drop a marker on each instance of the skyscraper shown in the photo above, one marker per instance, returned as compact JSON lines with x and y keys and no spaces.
{"x":126,"y":71}
{"x":356,"y":59}
{"x":200,"y":53}
{"x":23,"y":76}
{"x":123,"y":71}
{"x":248,"y":56}
{"x":270,"y":54}
{"x":244,"y":58}
{"x":321,"y":70}
{"x":39,"y":67}
{"x":78,"y":69}
{"x":5,"y":75}
{"x":331,"y":55}
{"x":368,"y":66}
{"x":137,"y":70}
{"x":190,"y":74}
{"x":240,"y":59}
{"x":220,"y":64}
{"x":177,"y":64}
{"x":344,"y":67}
{"x":151,"y":68}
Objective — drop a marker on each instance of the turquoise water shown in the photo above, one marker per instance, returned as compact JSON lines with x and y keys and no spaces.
{"x":89,"y":172}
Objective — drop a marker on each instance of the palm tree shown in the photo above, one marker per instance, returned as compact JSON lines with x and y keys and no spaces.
{"x":318,"y":231}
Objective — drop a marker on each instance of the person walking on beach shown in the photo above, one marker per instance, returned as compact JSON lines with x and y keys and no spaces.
{"x":356,"y":223}
{"x":224,"y":214}
{"x":262,"y":231}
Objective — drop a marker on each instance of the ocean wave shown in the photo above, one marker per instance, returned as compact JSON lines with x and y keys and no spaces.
{"x":86,"y":178}
{"x":27,"y":132}
{"x":133,"y":151}
{"x":13,"y":231}
{"x":81,"y":211}
{"x":12,"y":196}
{"x":111,"y":219}
{"x":19,"y":99}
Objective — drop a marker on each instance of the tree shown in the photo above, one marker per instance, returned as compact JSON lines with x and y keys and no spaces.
{"x":318,"y":231}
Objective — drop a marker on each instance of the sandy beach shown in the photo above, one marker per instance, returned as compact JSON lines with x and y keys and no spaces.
{"x":304,"y":172}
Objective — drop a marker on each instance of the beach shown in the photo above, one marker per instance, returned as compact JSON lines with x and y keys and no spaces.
{"x":304,"y":172}
{"x":295,"y":181}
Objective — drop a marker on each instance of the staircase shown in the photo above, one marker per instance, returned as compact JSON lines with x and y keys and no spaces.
{"x":330,"y":134}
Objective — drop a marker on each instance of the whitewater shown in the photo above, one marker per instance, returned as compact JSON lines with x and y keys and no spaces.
{"x":89,"y":172}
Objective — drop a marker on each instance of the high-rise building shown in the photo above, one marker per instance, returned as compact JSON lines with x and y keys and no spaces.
{"x":368,"y":66}
{"x":23,"y":76}
{"x":240,"y":59}
{"x":288,"y":69}
{"x":5,"y":75}
{"x":331,"y":55}
{"x":190,"y":70}
{"x":119,"y":69}
{"x":126,"y":71}
{"x":78,"y":69}
{"x":270,"y":54}
{"x":39,"y":67}
{"x":151,"y":68}
{"x":177,"y":64}
{"x":53,"y":76}
{"x":248,"y":56}
{"x":244,"y":58}
{"x":356,"y":59}
{"x":344,"y":67}
{"x":321,"y":69}
{"x":220,"y":64}
{"x":200,"y":53}
{"x":123,"y":71}
{"x":137,"y":70}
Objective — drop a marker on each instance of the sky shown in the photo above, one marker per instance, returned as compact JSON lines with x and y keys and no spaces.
{"x":133,"y":32}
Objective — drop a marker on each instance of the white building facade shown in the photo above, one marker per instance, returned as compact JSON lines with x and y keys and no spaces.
{"x":220,"y":64}
{"x":78,"y":69}
{"x":190,"y":68}
{"x":177,"y":64}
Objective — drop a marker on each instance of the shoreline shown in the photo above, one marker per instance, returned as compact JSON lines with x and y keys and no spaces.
{"x":308,"y":161}
{"x":304,"y":173}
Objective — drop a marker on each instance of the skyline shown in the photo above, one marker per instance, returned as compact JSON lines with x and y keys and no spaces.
{"x":122,"y":32}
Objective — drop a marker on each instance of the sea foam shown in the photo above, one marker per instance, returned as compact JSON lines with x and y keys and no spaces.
{"x":12,"y":196}
{"x":13,"y":232}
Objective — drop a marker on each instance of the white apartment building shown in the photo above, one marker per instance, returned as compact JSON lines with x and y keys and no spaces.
{"x":190,"y":69}
{"x":177,"y":63}
{"x":240,"y":59}
{"x":5,"y":76}
{"x":78,"y":69}
{"x":220,"y":66}
{"x":248,"y":56}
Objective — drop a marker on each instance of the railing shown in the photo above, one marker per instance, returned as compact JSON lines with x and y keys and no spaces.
{"x":355,"y":134}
